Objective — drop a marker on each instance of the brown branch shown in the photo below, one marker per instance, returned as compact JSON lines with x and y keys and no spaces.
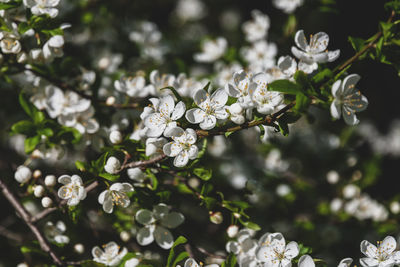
{"x":365,"y":48}
{"x":10,"y":235}
{"x":141,"y":163}
{"x":268,"y":120}
{"x":27,"y":219}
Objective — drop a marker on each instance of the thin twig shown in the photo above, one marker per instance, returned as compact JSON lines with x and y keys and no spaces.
{"x":141,"y":163}
{"x":27,"y":219}
{"x":10,"y":235}
{"x":268,"y":120}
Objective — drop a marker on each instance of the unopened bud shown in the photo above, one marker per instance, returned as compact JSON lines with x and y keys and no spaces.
{"x":79,"y":248}
{"x":46,"y":202}
{"x":125,"y":236}
{"x":50,"y":180}
{"x":37,"y":174}
{"x":23,"y":174}
{"x":38,"y":191}
{"x":115,"y":137}
{"x":232,"y":230}
{"x":216,"y":217}
{"x":110,"y":101}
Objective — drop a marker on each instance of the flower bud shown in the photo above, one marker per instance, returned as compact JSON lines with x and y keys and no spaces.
{"x":232,"y":231}
{"x":22,"y":264}
{"x":37,"y":174}
{"x":38,"y":191}
{"x":79,"y":248}
{"x":351,"y":191}
{"x":112,"y":166}
{"x":136,"y":174}
{"x":332,"y":177}
{"x":23,"y":174}
{"x":216,"y":217}
{"x":235,"y":109}
{"x":110,"y":101}
{"x":125,"y":236}
{"x":115,"y":137}
{"x":395,"y":207}
{"x":46,"y":202}
{"x":50,"y":180}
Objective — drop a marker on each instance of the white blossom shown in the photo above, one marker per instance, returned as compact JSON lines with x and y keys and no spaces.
{"x":266,"y":101}
{"x":287,"y":6}
{"x":38,"y":191}
{"x":115,"y":137}
{"x":212,"y":50}
{"x":9,"y":41}
{"x":277,"y":252}
{"x":132,"y":86}
{"x":190,"y":10}
{"x":260,"y":55}
{"x":156,"y":224}
{"x":346,"y":262}
{"x":380,"y":256}
{"x":46,"y":202}
{"x":257,"y":28}
{"x":242,"y":89}
{"x":236,"y":113}
{"x":53,"y":48}
{"x":154,"y":146}
{"x":41,"y":7}
{"x":72,"y":189}
{"x":163,"y":120}
{"x":23,"y":174}
{"x":110,"y":255}
{"x":115,"y":196}
{"x":347,"y":99}
{"x":306,"y":261}
{"x":210,"y":108}
{"x":112,"y":165}
{"x":183,"y":147}
{"x":314,"y":52}
{"x":54,"y":233}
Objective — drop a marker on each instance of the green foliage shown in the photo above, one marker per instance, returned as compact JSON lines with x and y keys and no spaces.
{"x":285,"y":86}
{"x":179,"y":241}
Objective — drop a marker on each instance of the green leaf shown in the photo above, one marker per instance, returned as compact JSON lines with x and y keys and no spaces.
{"x":250,"y":225}
{"x":109,"y":176}
{"x":230,"y":261}
{"x":23,"y":27}
{"x":46,"y":132}
{"x":283,"y":127}
{"x":356,"y":43}
{"x":228,"y":134}
{"x":82,"y":166}
{"x":323,"y":75}
{"x":176,"y":94}
{"x":302,"y":103}
{"x":180,"y":240}
{"x":5,"y":6}
{"x":210,"y":202}
{"x":183,"y":255}
{"x":24,"y":127}
{"x":284,"y":86}
{"x":31,"y":143}
{"x":203,"y":174}
{"x":28,"y":108}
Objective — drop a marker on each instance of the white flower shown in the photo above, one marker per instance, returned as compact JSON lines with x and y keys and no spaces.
{"x":9,"y":41}
{"x":190,"y":10}
{"x":46,"y":202}
{"x":132,"y":86}
{"x":182,"y":147}
{"x":112,"y":165}
{"x":277,"y":253}
{"x":186,"y":86}
{"x":381,"y":256}
{"x":115,"y":137}
{"x":192,"y":263}
{"x":41,"y":7}
{"x":155,"y":224}
{"x":72,"y":189}
{"x":83,"y":121}
{"x":210,"y":108}
{"x":159,"y":81}
{"x":232,"y":230}
{"x":38,"y":191}
{"x":266,"y":101}
{"x":260,"y":56}
{"x":224,"y":73}
{"x":54,"y":233}
{"x":306,"y":261}
{"x":347,"y":99}
{"x":287,"y":66}
{"x":244,"y":246}
{"x":115,"y":195}
{"x":137,"y":175}
{"x":53,"y":48}
{"x":132,"y":262}
{"x":345,"y":262}
{"x":110,"y":256}
{"x":212,"y":50}
{"x":314,"y":52}
{"x":287,"y":6}
{"x":242,"y":89}
{"x":154,"y":146}
{"x":165,"y":116}
{"x":23,"y":174}
{"x":236,"y":113}
{"x":256,"y":29}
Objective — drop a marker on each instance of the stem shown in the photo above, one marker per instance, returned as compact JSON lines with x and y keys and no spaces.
{"x":141,"y":163}
{"x":28,"y":221}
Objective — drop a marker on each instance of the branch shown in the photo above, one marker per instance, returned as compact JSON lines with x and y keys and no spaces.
{"x":27,"y":219}
{"x":141,"y":163}
{"x":268,"y":120}
{"x":364,"y":49}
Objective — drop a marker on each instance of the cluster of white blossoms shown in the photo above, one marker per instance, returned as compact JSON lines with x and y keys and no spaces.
{"x":42,"y":7}
{"x":55,"y":232}
{"x":360,"y":205}
{"x":287,"y":6}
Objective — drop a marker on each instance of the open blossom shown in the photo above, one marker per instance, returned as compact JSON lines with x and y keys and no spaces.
{"x":165,"y":116}
{"x":159,"y":81}
{"x":156,"y":224}
{"x":115,"y":196}
{"x":347,"y":99}
{"x":182,"y":147}
{"x":314,"y":52}
{"x":72,"y":189}
{"x":266,"y":101}
{"x":260,"y":55}
{"x":306,"y":261}
{"x":154,"y":146}
{"x":242,"y":89}
{"x":287,"y":6}
{"x":381,"y":256}
{"x":9,"y":41}
{"x":277,"y":253}
{"x":210,"y":108}
{"x":212,"y":50}
{"x":244,"y":247}
{"x":257,"y":28}
{"x":187,"y":86}
{"x":345,"y":262}
{"x":54,"y":232}
{"x":110,"y":255}
{"x":41,"y":7}
{"x":132,"y":86}
{"x":53,"y":48}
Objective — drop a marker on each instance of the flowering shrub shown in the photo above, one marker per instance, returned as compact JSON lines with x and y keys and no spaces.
{"x":199,"y":133}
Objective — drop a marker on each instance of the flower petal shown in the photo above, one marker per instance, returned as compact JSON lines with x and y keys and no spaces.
{"x":163,"y":237}
{"x":178,"y":111}
{"x":181,"y":159}
{"x":333,"y":55}
{"x":145,"y":236}
{"x":156,"y":124}
{"x":172,"y":149}
{"x":219,"y":98}
{"x":208,"y":123}
{"x":368,"y":249}
{"x":200,"y":96}
{"x":292,"y":250}
{"x":336,"y":109}
{"x":195,"y":115}
{"x":349,"y":82}
{"x":319,"y":42}
{"x":64,"y":179}
{"x":306,"y":261}
{"x":144,"y":217}
{"x":172,"y":220}
{"x":300,"y":40}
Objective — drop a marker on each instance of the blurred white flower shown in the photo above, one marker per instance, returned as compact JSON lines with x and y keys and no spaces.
{"x":212,"y":50}
{"x":23,"y":174}
{"x":257,"y":28}
{"x":41,"y":7}
{"x":54,"y":233}
{"x":287,"y":6}
{"x":110,"y":256}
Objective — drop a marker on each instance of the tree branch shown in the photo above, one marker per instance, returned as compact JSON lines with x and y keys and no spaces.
{"x":27,"y":219}
{"x":141,"y":163}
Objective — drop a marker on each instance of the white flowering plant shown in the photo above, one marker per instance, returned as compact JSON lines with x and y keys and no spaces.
{"x":199,"y":133}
